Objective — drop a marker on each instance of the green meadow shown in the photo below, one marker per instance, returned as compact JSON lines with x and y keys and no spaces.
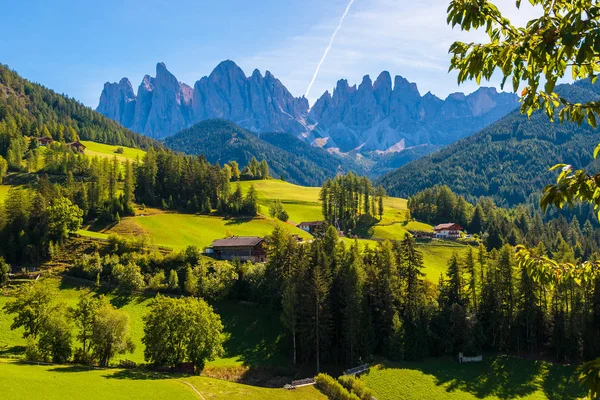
{"x":177,"y":231}
{"x":54,"y":382}
{"x":4,"y":192}
{"x":497,"y":377}
{"x":253,"y":334}
{"x":181,"y":230}
{"x":94,"y":149}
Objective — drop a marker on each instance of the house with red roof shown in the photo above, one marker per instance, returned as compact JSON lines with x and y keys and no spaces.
{"x":448,"y":230}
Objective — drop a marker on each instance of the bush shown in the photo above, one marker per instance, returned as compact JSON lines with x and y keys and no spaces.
{"x":356,"y":386}
{"x":32,"y":352}
{"x":332,"y":388}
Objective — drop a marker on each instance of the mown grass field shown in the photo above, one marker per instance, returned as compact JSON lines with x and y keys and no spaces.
{"x":94,"y":149}
{"x":23,"y":381}
{"x":498,"y":377}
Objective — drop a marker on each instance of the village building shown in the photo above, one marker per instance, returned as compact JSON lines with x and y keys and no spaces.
{"x":45,"y":141}
{"x":243,"y":248}
{"x":449,"y":230}
{"x":76,"y":146}
{"x":311,"y":226}
{"x":422,"y":234}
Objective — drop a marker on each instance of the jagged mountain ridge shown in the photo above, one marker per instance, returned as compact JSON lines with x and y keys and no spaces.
{"x":164,"y":106}
{"x":373,"y":117}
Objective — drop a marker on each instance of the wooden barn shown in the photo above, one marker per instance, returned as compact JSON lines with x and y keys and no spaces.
{"x":244,"y":248}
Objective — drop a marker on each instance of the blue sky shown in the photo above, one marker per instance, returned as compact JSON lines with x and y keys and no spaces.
{"x":74,"y":47}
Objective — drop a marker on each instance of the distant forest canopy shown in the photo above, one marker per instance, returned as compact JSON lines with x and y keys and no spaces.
{"x":509,"y":160}
{"x":499,"y":226}
{"x":30,"y":109}
{"x":289,"y":158}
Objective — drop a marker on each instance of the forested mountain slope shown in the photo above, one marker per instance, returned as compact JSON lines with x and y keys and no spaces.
{"x":223,"y":141}
{"x":508,"y":160}
{"x":30,"y":109}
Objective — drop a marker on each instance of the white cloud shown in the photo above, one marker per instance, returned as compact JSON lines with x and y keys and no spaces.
{"x":408,"y":38}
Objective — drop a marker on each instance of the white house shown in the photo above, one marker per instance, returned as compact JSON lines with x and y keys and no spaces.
{"x":310,"y":226}
{"x":449,"y":230}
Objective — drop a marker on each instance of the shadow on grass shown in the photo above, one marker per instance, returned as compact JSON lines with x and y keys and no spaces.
{"x":143,"y":374}
{"x":504,"y":377}
{"x":11,"y":350}
{"x":237,"y":221}
{"x":253,"y":334}
{"x":71,"y":368}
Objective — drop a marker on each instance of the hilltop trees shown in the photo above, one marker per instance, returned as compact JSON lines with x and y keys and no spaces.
{"x":348,"y":200}
{"x":182,"y":330}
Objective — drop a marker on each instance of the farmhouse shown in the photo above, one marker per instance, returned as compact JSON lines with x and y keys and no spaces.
{"x":77,"y":146}
{"x":45,"y":141}
{"x":311,"y":226}
{"x":449,"y":230}
{"x":244,"y":248}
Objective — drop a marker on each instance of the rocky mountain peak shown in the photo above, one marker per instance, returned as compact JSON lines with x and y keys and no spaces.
{"x":164,"y":105}
{"x":373,"y":116}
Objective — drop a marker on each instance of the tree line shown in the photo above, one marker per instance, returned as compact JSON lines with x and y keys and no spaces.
{"x":176,"y":330}
{"x":349,"y":202}
{"x":341,"y":305}
{"x":498,"y":226}
{"x":104,"y":190}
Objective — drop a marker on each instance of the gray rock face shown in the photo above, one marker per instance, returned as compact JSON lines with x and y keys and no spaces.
{"x":118,"y":102}
{"x":375,"y":116}
{"x":164,"y":106}
{"x":379,"y":117}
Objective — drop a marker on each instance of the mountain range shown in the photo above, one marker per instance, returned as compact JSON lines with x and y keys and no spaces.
{"x":371,"y":118}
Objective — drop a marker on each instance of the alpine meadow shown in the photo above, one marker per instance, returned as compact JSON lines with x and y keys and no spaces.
{"x":262,"y":236}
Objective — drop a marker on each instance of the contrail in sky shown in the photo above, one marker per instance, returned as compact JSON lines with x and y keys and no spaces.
{"x":328,"y":47}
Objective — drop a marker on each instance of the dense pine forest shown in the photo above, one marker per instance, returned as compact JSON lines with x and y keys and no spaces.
{"x":30,"y":109}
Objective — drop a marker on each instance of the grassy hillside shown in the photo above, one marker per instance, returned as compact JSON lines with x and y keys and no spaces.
{"x":253,"y":334}
{"x":4,"y":192}
{"x":181,"y":230}
{"x":178,"y":231}
{"x":22,"y":381}
{"x":498,"y":377}
{"x":94,"y":149}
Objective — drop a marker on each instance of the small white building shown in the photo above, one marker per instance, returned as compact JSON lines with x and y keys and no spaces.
{"x":449,"y":230}
{"x":310,"y":226}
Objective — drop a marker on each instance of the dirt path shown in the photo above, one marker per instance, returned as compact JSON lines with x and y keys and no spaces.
{"x":193,"y":387}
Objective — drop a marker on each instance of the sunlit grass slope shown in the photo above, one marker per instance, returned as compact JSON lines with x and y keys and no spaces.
{"x":4,"y":192}
{"x":498,"y":377}
{"x":94,"y":149}
{"x":253,"y":334}
{"x":21,"y":381}
{"x":178,"y":231}
{"x":181,"y":230}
